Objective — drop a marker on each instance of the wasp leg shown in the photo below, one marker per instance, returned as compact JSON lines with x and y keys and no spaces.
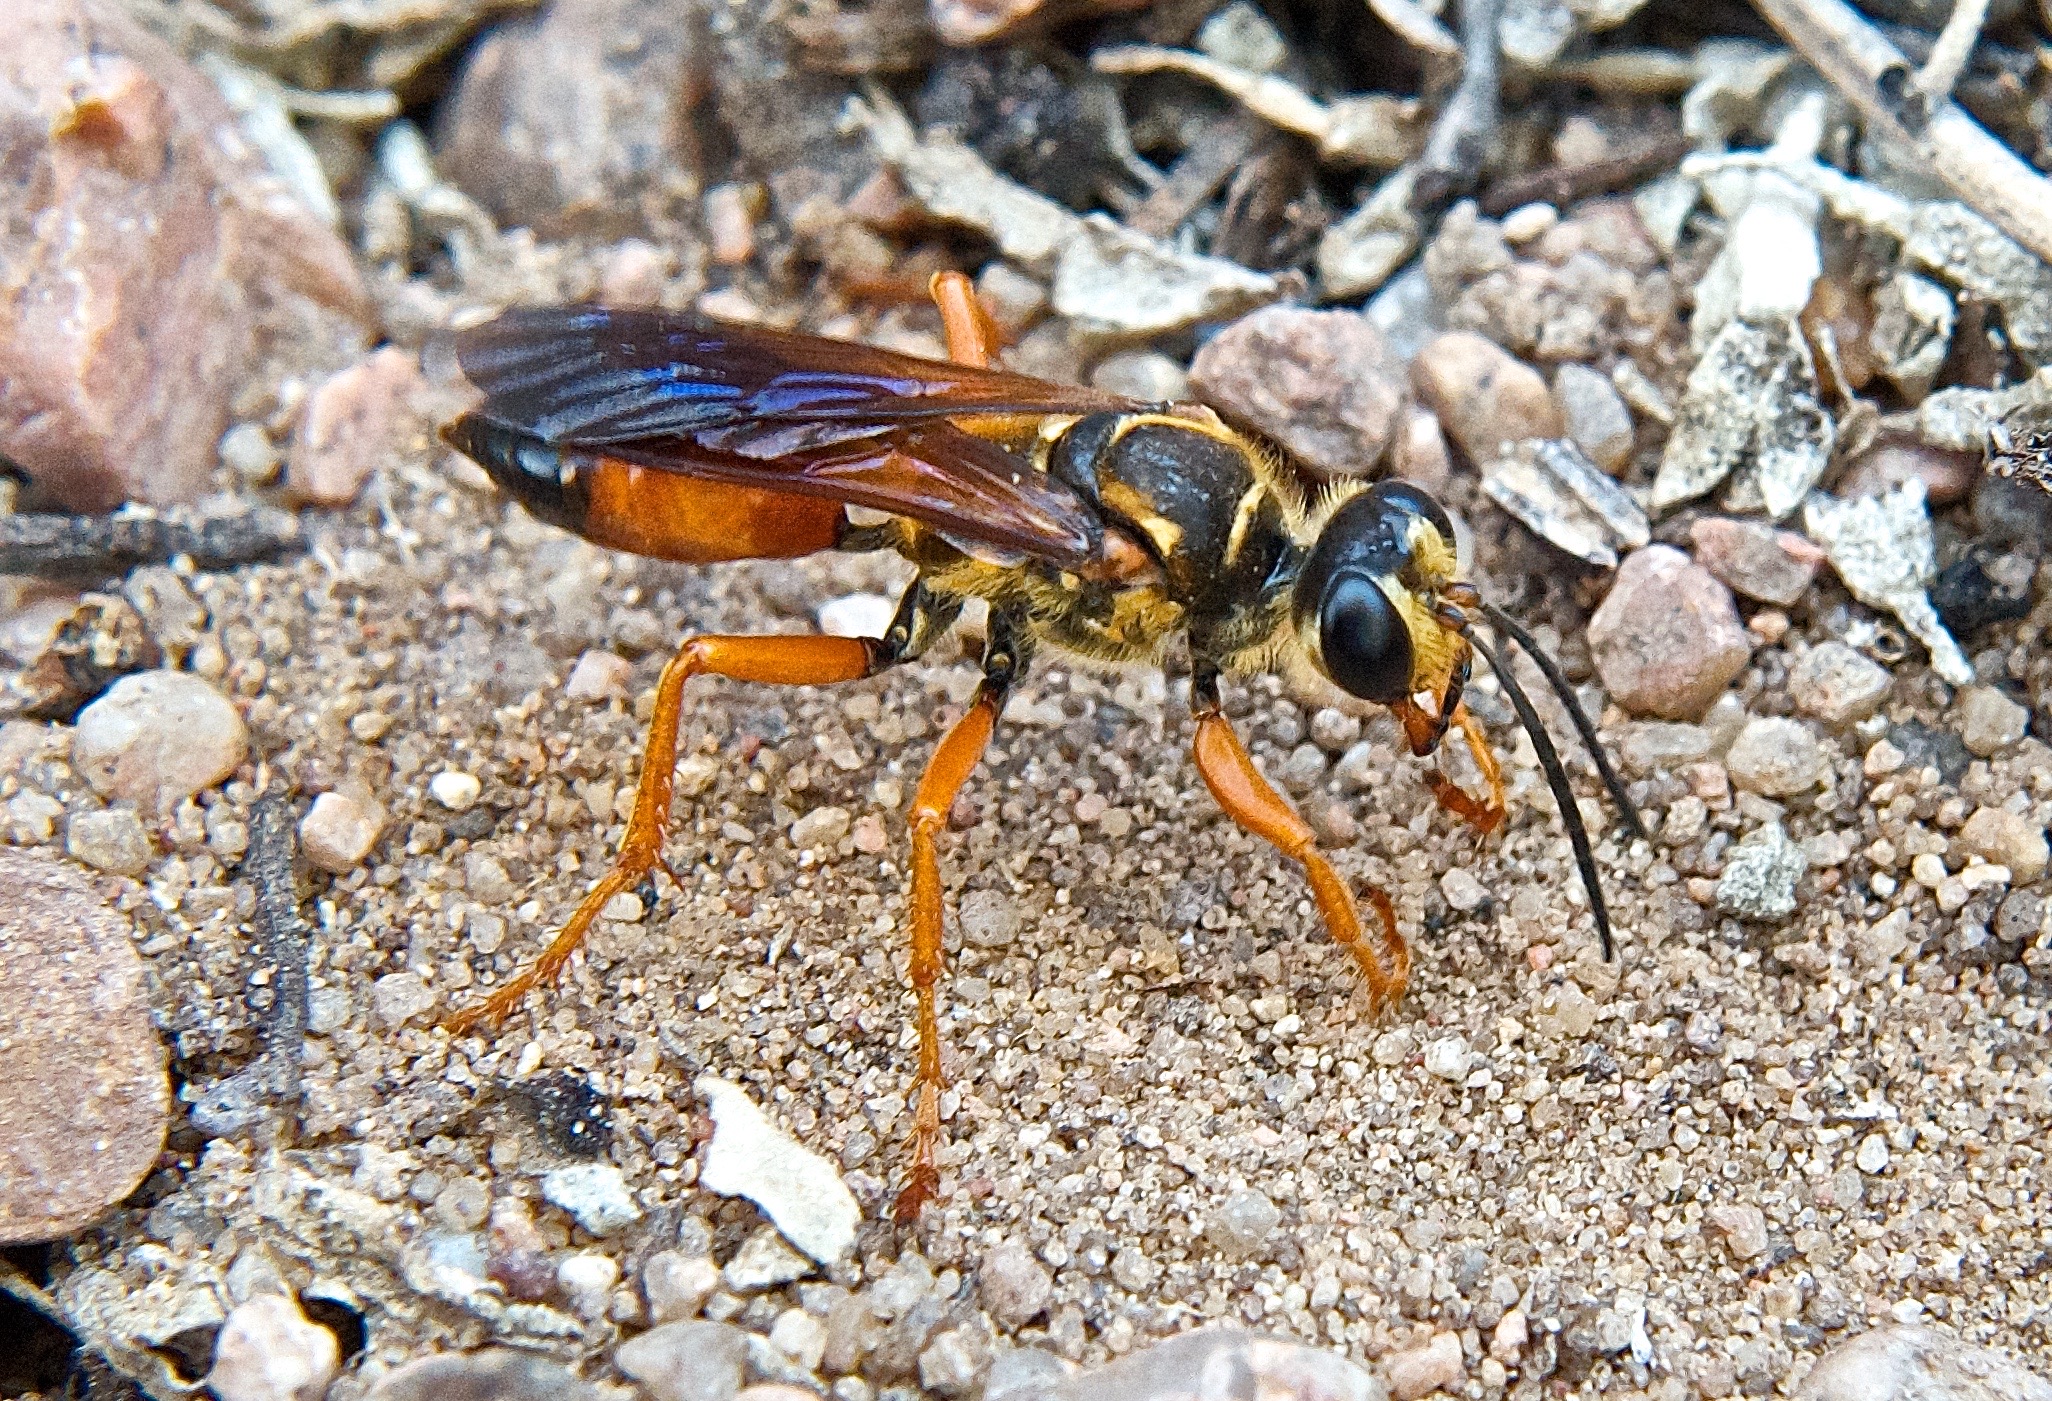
{"x":946,"y":772}
{"x":1425,"y":731}
{"x":1250,"y":801}
{"x":774,"y":661}
{"x":971,"y":337}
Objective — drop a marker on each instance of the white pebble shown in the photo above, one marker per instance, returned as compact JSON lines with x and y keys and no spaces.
{"x":1448,"y":1058}
{"x":594,"y":1194}
{"x":338,"y":832}
{"x":587,"y":1280}
{"x":856,"y":615}
{"x":455,"y":790}
{"x":157,"y":738}
{"x":598,"y":676}
{"x":799,"y":1190}
{"x":269,"y":1351}
{"x":1872,"y":1156}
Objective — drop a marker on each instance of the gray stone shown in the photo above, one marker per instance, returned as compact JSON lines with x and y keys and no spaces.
{"x":157,"y":738}
{"x":1760,"y":875}
{"x":821,"y":827}
{"x":1744,"y":1228}
{"x":1596,"y":416}
{"x":1837,"y":684}
{"x":676,"y":1285}
{"x":1014,"y":1287}
{"x":1219,"y":1362}
{"x":495,"y":1374}
{"x":1776,"y":757}
{"x":686,"y":1361}
{"x":1649,"y":746}
{"x":399,"y":998}
{"x":88,"y":1098}
{"x":1242,"y":1223}
{"x":990,"y":919}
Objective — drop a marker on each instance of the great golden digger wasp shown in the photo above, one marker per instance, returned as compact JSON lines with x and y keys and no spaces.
{"x":1091,"y":524}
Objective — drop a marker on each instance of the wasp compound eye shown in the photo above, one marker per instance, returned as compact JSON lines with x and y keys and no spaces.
{"x":1363,"y":642}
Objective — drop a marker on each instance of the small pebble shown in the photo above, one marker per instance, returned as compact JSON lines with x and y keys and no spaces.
{"x":455,"y":790}
{"x":730,"y":223}
{"x":1485,"y":398}
{"x":598,"y":676}
{"x":686,"y":1361}
{"x":1989,"y":721}
{"x":1872,"y":1156}
{"x":1917,"y":1363}
{"x":1013,"y":1286}
{"x":1242,"y":1223}
{"x":1776,"y":757}
{"x":268,"y":1350}
{"x":1323,"y":384}
{"x":399,"y":998}
{"x":1595,"y":415}
{"x":158,"y":737}
{"x":352,"y":423}
{"x":799,"y":1190}
{"x":1393,"y":1047}
{"x":1743,"y":1227}
{"x":248,"y":452}
{"x":1146,"y":375}
{"x":1667,"y":639}
{"x":594,"y":1195}
{"x":764,"y":1261}
{"x":112,"y":840}
{"x":1462,"y":891}
{"x":800,"y":1337}
{"x":1761,"y":874}
{"x":676,"y":1285}
{"x":990,"y":919}
{"x":494,"y":1374}
{"x":1527,"y":222}
{"x":1418,"y":1371}
{"x":338,"y":832}
{"x":1448,"y":1058}
{"x":1837,"y":684}
{"x":948,"y":1366}
{"x":821,"y":827}
{"x":1755,"y":559}
{"x":88,"y":1098}
{"x":2004,"y":838}
{"x":587,"y":1281}
{"x":1509,"y":1337}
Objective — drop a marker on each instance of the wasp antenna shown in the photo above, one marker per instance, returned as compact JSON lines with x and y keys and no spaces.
{"x":1584,"y":726}
{"x":1563,"y":795}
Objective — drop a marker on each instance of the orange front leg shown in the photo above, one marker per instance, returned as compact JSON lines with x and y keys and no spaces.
{"x":1250,"y":801}
{"x":949,"y":769}
{"x":972,"y":339}
{"x":775,"y":661}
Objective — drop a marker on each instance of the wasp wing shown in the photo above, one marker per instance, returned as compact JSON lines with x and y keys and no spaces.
{"x":593,"y":376}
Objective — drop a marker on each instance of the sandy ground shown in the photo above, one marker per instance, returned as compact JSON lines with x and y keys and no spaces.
{"x":1146,"y":1023}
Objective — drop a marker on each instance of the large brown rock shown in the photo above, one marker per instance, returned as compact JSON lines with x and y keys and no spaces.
{"x":1324,"y":384}
{"x":149,"y":262}
{"x":579,"y":121}
{"x":1667,"y":639}
{"x":1485,"y":397}
{"x":88,"y":1098}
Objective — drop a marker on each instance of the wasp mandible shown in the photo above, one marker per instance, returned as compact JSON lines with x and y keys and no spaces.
{"x":1091,"y":524}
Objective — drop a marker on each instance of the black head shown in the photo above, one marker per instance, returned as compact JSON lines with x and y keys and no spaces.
{"x":1357,"y":600}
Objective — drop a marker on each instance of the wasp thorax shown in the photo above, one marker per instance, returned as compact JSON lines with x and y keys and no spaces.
{"x":1357,"y":599}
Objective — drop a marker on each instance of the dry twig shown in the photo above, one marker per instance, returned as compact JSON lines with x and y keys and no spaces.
{"x":99,"y":546}
{"x":1459,"y":141}
{"x":1873,"y":74}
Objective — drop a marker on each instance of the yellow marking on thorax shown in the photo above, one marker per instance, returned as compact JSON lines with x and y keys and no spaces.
{"x":1165,"y":533}
{"x":1243,"y":520}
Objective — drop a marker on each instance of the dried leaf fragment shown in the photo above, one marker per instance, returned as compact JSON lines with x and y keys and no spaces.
{"x":1373,"y":130}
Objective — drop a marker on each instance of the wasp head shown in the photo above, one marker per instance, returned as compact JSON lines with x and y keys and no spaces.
{"x":1369,"y":603}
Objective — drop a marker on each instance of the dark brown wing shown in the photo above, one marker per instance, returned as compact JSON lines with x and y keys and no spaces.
{"x":785,"y":412}
{"x":592,"y":377}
